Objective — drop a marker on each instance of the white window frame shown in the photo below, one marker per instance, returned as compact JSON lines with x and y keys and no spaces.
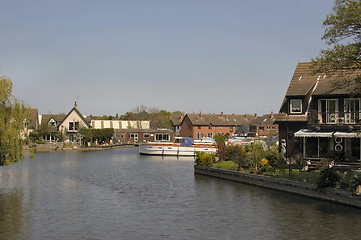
{"x":75,"y":127}
{"x":347,"y":115}
{"x":164,"y":137}
{"x":292,"y":103}
{"x":329,"y":119}
{"x":52,"y":122}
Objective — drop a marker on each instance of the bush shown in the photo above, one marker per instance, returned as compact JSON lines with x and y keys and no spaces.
{"x":349,"y":181}
{"x":40,"y":142}
{"x":328,"y":178}
{"x":205,"y":159}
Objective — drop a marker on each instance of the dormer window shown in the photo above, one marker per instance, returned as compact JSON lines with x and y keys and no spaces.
{"x":52,"y":122}
{"x":296,"y":105}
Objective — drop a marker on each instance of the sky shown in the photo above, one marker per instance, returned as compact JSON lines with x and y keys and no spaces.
{"x":209,"y":56}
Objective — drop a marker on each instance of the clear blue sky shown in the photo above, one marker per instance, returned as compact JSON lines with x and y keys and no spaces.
{"x":231,"y":56}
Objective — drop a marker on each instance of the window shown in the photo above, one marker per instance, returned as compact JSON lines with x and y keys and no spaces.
{"x":146,"y":135}
{"x":296,"y":105}
{"x":134,"y":135}
{"x":199,"y":127}
{"x":231,"y":129}
{"x":210,"y":135}
{"x":162,"y":137}
{"x":199,"y":135}
{"x":352,"y":110}
{"x":52,"y":123}
{"x":220,"y":127}
{"x":328,"y":110}
{"x":73,"y":126}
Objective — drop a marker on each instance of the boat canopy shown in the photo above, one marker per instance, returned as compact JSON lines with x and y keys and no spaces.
{"x":187,"y":141}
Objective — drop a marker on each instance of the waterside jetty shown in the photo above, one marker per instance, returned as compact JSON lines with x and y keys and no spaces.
{"x":301,"y":188}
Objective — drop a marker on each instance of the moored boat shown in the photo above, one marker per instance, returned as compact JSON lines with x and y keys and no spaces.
{"x":186,"y":147}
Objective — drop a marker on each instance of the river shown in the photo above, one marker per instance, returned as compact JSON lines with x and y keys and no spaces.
{"x":119,"y":194}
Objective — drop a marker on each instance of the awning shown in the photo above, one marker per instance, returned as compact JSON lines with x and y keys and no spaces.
{"x":347,"y":135}
{"x":309,"y":133}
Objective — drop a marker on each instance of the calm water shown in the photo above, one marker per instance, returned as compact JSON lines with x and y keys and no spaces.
{"x":117,"y":194}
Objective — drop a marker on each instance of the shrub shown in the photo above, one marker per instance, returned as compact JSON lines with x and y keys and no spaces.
{"x":324,"y":163}
{"x":349,"y":181}
{"x":328,"y":178}
{"x":205,"y":159}
{"x":299,"y":162}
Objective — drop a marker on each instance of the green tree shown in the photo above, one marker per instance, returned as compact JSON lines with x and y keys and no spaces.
{"x":60,"y":136}
{"x":237,"y":155}
{"x":275,"y":158}
{"x":299,"y":162}
{"x":343,"y":33}
{"x":220,"y":140}
{"x":255,"y":154}
{"x":328,"y":178}
{"x":13,"y":114}
{"x":43,"y":129}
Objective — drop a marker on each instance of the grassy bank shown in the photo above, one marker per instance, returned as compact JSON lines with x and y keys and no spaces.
{"x":295,"y":175}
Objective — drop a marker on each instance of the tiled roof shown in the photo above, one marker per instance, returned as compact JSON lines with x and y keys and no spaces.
{"x":217,"y":119}
{"x":304,"y":79}
{"x":265,"y":119}
{"x":291,"y":118}
{"x":57,"y":117}
{"x":176,"y":121}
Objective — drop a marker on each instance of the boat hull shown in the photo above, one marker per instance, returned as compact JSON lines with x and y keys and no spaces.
{"x":152,"y":149}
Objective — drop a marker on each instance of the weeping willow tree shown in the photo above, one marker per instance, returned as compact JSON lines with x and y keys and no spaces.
{"x":13,"y":114}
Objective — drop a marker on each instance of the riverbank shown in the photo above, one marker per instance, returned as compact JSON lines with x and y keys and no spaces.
{"x":305,"y":189}
{"x":49,"y":147}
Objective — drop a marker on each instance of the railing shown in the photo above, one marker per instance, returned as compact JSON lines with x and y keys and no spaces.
{"x":315,"y":117}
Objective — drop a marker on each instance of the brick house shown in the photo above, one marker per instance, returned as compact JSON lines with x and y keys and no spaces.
{"x":317,"y":121}
{"x":201,"y":125}
{"x":265,"y":125}
{"x":131,"y":136}
{"x":176,"y":123}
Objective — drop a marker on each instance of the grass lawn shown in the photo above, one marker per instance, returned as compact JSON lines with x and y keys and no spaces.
{"x":310,"y":177}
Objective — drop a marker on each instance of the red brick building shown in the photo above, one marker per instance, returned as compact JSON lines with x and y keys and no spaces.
{"x":201,"y":125}
{"x":265,"y":125}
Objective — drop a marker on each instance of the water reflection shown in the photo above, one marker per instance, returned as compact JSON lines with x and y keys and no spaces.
{"x":118,"y":194}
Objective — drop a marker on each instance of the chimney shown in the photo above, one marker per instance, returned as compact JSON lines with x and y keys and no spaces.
{"x":75,"y":105}
{"x":272,"y":115}
{"x":221,"y":114}
{"x":255,"y":115}
{"x":200,"y":114}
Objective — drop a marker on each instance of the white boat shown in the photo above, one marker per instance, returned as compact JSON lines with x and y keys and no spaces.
{"x":186,"y":147}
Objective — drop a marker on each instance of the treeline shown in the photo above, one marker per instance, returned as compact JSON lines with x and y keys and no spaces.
{"x":157,"y":118}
